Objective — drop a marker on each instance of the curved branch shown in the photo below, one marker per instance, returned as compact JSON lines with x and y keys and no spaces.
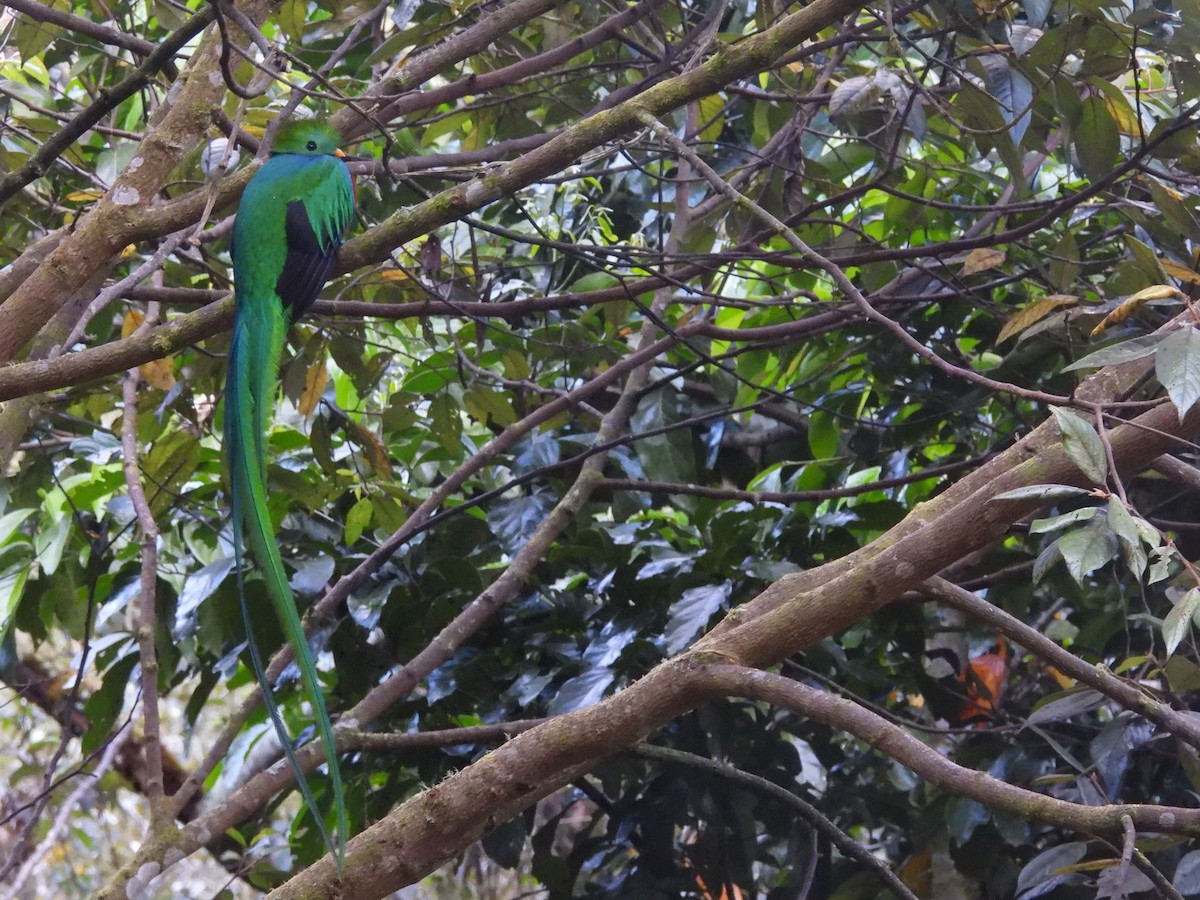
{"x":892,"y":740}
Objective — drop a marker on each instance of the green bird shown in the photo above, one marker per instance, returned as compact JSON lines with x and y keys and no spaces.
{"x":289,"y":226}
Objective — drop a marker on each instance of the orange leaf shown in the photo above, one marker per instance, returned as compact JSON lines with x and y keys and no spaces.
{"x":1063,"y":681}
{"x":984,"y":680}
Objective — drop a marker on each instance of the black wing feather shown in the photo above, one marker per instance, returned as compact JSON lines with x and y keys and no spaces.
{"x":308,"y":266}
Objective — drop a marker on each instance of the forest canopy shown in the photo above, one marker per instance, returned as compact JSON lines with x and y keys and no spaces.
{"x":746,"y":450}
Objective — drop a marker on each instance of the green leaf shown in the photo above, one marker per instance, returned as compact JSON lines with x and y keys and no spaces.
{"x":10,"y":522}
{"x":1045,"y":562}
{"x":1126,"y":530}
{"x":1013,"y":92}
{"x":487,"y":405}
{"x":446,"y":421}
{"x":1177,"y":365}
{"x":824,"y":435}
{"x":1160,"y":564}
{"x":1178,"y":622}
{"x":1147,"y":260}
{"x":358,"y":519}
{"x":103,"y":707}
{"x":711,"y":117}
{"x":1056,"y":523}
{"x":1065,"y":705}
{"x":291,"y":17}
{"x":1083,"y":444}
{"x":691,"y":612}
{"x":1044,"y":492}
{"x":1086,"y":549}
{"x":1117,"y":354}
{"x":12,"y":585}
{"x":1173,"y":210}
{"x":1064,"y":263}
{"x":49,"y":542}
{"x":1095,"y":138}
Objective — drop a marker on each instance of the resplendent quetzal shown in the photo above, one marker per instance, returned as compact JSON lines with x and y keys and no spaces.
{"x":289,"y":226}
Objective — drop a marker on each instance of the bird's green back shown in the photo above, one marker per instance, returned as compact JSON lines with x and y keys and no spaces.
{"x":289,"y":225}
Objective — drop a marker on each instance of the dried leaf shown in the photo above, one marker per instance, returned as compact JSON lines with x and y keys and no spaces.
{"x":1035,"y":312}
{"x":1134,"y":302}
{"x":132,"y":321}
{"x":1178,"y":271}
{"x":981,"y":259}
{"x":315,"y":379}
{"x":159,"y":373}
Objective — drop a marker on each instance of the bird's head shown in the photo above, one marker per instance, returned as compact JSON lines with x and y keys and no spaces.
{"x":308,"y":137}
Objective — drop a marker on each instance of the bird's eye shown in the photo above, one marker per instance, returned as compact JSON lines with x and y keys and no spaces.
{"x":312,"y":145}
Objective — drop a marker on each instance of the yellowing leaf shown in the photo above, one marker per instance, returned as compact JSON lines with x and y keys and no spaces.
{"x":132,"y":320}
{"x":292,"y":16}
{"x":1134,"y":302}
{"x":981,"y":259}
{"x":256,"y":121}
{"x":393,"y":275}
{"x":1179,"y":271}
{"x":159,"y":373}
{"x":84,"y":196}
{"x":712,"y":117}
{"x":1035,"y":312}
{"x":129,"y":251}
{"x":796,"y":67}
{"x":315,"y":379}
